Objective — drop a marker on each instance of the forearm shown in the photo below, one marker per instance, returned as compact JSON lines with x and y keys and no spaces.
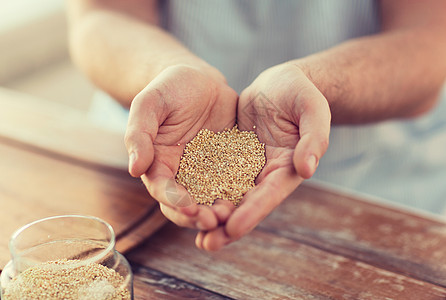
{"x":122,"y":54}
{"x":395,"y":74}
{"x":377,"y":78}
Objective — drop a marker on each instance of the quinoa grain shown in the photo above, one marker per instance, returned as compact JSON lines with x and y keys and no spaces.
{"x":222,"y":165}
{"x":56,"y":280}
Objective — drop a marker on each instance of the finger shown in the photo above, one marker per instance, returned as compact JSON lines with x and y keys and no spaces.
{"x":163,"y":188}
{"x":199,"y":239}
{"x":214,"y":240}
{"x":205,"y":219}
{"x":314,"y":129}
{"x":307,"y":154}
{"x":177,"y":217}
{"x":145,"y":115}
{"x":222,"y":210}
{"x":261,"y":200}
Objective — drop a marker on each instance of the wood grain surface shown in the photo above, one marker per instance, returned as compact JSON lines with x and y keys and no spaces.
{"x":390,"y":238}
{"x":152,"y":284}
{"x":60,"y":130}
{"x":54,"y":161}
{"x":34,"y":186}
{"x":317,"y":245}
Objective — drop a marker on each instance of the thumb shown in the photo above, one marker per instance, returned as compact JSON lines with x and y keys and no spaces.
{"x":307,"y":154}
{"x":141,"y":132}
{"x":314,"y":131}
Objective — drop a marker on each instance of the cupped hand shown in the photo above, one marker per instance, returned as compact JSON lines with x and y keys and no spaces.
{"x":163,"y":117}
{"x":292,"y":118}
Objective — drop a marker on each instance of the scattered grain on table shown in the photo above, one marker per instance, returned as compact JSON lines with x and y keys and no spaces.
{"x":222,"y":165}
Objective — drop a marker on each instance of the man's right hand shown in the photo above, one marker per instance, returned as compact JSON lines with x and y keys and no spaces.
{"x":164,"y":116}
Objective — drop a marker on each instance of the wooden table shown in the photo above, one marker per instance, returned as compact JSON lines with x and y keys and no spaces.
{"x":319,"y":244}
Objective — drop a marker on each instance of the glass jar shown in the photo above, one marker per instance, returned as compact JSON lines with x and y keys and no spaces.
{"x":66,"y":255}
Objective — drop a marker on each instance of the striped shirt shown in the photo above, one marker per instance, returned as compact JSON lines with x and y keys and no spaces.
{"x":402,"y":161}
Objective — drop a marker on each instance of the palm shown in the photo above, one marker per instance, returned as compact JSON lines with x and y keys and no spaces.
{"x":280,"y":138}
{"x":275,"y":128}
{"x":293,"y":124}
{"x":166,"y":115}
{"x":176,"y":132}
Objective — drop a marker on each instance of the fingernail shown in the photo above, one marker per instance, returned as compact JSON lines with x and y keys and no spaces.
{"x":132,"y":159}
{"x":200,"y":226}
{"x":312,"y":163}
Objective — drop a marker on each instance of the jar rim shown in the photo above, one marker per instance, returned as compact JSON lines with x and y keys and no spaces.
{"x":97,"y":257}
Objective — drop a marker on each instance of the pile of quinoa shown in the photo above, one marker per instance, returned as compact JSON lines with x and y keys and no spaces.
{"x":222,"y":165}
{"x":56,"y":280}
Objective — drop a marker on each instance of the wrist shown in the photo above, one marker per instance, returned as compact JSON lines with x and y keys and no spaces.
{"x":330,"y":86}
{"x":188,"y":60}
{"x":213,"y":72}
{"x":301,"y":67}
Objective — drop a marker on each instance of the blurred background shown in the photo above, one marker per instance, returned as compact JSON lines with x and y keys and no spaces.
{"x":34,"y":55}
